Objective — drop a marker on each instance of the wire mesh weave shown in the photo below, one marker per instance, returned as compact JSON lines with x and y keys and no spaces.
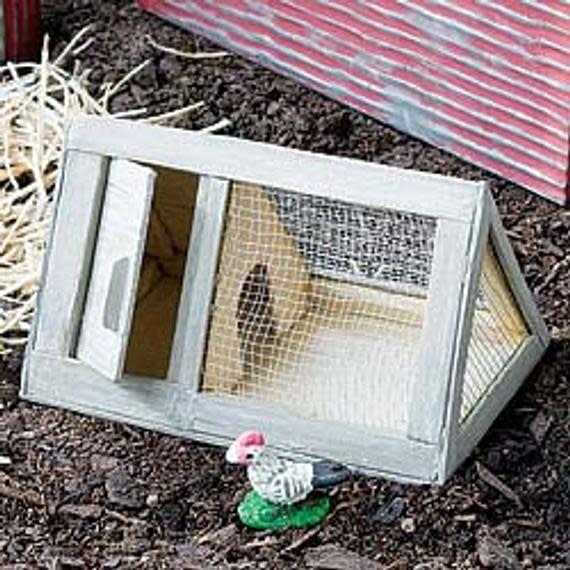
{"x":312,"y":308}
{"x":371,"y":243}
{"x":498,"y":330}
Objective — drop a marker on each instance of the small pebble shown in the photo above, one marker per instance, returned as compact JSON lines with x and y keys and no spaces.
{"x":389,"y":513}
{"x":408,"y":525}
{"x":152,"y":500}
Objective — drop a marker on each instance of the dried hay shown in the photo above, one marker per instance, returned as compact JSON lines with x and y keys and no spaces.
{"x":36,"y":103}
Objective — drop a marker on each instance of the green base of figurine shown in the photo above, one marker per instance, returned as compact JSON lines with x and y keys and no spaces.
{"x":254,"y":511}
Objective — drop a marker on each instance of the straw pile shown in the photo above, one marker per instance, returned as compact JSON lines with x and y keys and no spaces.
{"x":36,"y":102}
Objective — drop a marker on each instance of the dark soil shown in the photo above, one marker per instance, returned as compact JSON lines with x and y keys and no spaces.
{"x":85,"y":493}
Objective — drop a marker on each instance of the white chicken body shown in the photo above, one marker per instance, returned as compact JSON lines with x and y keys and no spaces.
{"x":280,"y":481}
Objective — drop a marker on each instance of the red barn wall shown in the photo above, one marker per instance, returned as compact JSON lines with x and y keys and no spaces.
{"x":20,"y":30}
{"x":487,"y":80}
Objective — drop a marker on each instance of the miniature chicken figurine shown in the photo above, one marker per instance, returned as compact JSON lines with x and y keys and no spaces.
{"x":281,"y":485}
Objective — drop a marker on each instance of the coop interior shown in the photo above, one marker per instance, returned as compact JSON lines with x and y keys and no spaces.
{"x":161,"y":277}
{"x":319,"y":306}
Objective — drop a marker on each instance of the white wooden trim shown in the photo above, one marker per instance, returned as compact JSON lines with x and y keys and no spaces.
{"x":478,"y":243}
{"x":68,"y":258}
{"x":225,"y":157}
{"x":198,"y":287}
{"x":362,"y":449}
{"x":487,"y":410}
{"x":173,"y":409}
{"x":115,"y":272}
{"x":69,"y":383}
{"x":433,"y":366}
{"x":515,"y":278}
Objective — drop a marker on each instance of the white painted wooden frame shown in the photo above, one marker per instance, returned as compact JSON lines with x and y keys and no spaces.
{"x":435,"y":443}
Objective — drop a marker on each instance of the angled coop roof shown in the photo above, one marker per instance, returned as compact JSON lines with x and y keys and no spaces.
{"x":208,"y":285}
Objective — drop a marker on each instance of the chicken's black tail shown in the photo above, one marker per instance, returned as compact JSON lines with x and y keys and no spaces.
{"x":328,"y":474}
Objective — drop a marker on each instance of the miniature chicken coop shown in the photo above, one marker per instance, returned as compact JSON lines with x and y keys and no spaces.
{"x":485,"y":80}
{"x":202,"y":285}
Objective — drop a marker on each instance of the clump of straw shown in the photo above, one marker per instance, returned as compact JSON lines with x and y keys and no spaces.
{"x":36,"y":102}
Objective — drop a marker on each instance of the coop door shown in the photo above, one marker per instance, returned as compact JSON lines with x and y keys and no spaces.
{"x":108,"y":311}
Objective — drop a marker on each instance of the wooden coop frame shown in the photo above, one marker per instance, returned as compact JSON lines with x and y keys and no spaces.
{"x":86,"y":310}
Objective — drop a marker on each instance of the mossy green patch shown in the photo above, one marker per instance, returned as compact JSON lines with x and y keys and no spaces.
{"x":254,"y":511}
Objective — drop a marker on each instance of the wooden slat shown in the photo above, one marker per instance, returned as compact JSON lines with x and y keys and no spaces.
{"x":480,"y":232}
{"x":71,"y":384}
{"x":115,"y":272}
{"x":433,"y":366}
{"x":258,"y":163}
{"x":67,"y":261}
{"x":198,"y":287}
{"x":365,"y":450}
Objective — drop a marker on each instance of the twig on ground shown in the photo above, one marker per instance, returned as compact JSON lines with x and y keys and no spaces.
{"x":188,"y":55}
{"x":493,"y":481}
{"x":303,"y":539}
{"x":552,"y":274}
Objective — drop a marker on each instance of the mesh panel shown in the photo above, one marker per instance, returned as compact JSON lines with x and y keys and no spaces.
{"x":381,"y":246}
{"x":498,"y":331}
{"x":319,"y":306}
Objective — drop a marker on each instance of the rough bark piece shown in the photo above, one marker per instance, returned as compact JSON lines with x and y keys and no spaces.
{"x":330,"y":557}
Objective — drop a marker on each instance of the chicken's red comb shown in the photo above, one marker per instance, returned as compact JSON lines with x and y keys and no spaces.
{"x":248,"y":438}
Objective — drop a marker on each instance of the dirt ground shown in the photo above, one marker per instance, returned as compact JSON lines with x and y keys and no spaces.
{"x":84,"y":493}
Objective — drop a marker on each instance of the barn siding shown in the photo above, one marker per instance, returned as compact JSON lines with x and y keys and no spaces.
{"x":485,"y":79}
{"x":20,"y":29}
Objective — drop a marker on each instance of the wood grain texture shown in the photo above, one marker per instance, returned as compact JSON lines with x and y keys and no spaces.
{"x":366,"y":450}
{"x":470,"y":289}
{"x":111,"y":294}
{"x":254,"y":237}
{"x":161,"y":279}
{"x":74,"y":385}
{"x":426,"y":450}
{"x":515,"y":278}
{"x":176,"y":410}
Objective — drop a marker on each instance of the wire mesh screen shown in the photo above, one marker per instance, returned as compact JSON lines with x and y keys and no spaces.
{"x":498,"y":330}
{"x":319,"y":306}
{"x":341,"y":240}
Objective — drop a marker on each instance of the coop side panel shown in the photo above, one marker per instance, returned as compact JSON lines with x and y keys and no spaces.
{"x":486,"y":81}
